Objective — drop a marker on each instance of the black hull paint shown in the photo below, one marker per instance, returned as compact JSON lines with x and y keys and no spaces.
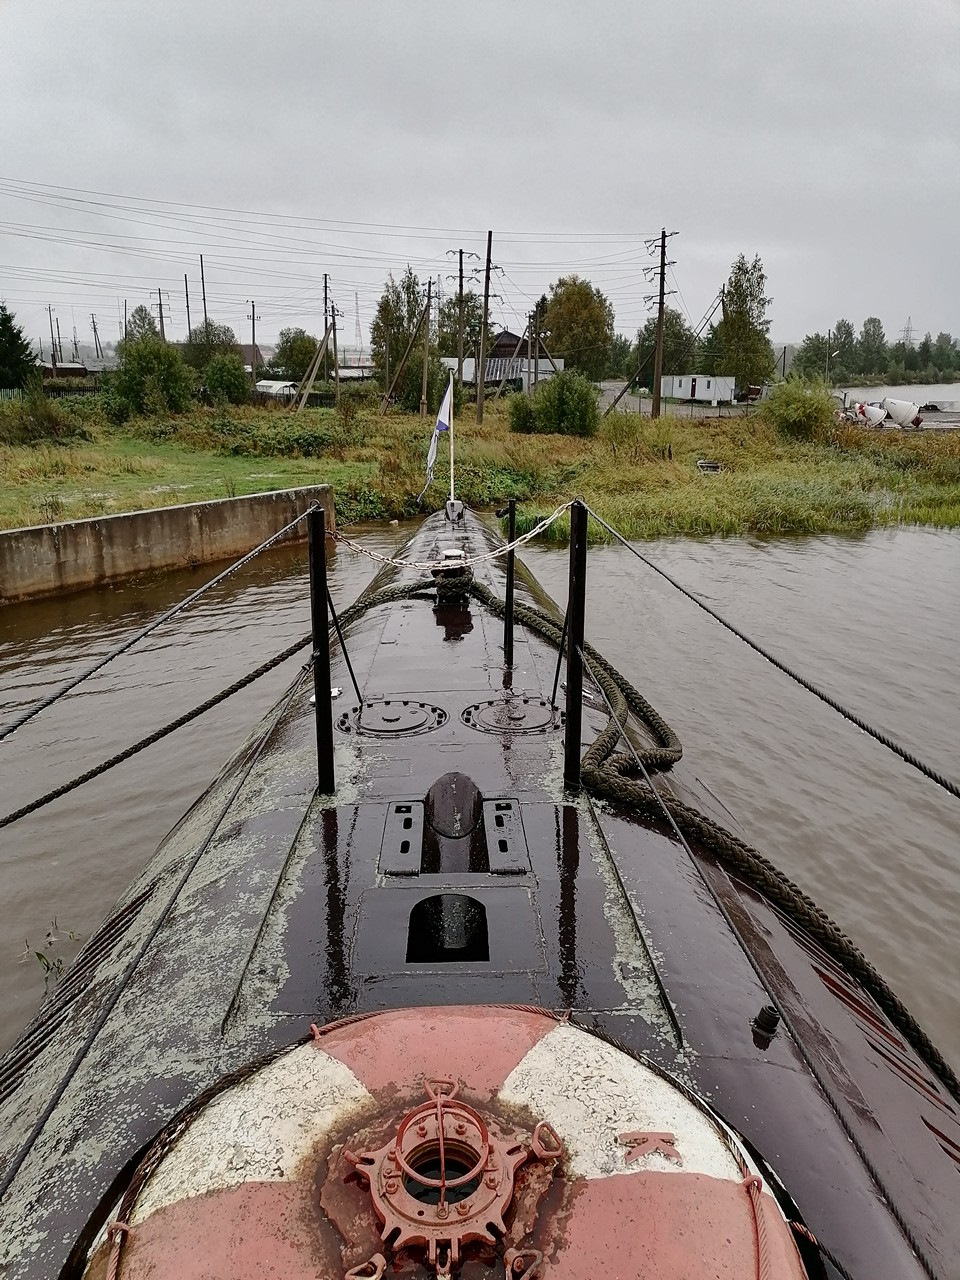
{"x":267,"y":909}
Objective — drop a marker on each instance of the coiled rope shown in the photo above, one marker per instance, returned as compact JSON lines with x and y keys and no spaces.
{"x":71,"y":684}
{"x":606,"y":773}
{"x":884,"y":739}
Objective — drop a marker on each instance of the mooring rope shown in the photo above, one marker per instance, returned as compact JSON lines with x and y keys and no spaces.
{"x":358,"y":607}
{"x":482,"y":557}
{"x":606,"y":774}
{"x":71,"y":684}
{"x":884,"y":739}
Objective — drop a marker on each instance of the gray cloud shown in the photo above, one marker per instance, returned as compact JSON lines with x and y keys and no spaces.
{"x":823,"y":137}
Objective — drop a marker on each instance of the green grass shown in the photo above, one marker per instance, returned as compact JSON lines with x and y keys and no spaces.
{"x":640,"y":475}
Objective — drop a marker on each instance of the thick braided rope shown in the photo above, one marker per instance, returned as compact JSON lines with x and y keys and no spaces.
{"x":605,"y":773}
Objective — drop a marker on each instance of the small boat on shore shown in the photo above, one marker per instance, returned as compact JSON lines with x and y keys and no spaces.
{"x":446,"y":975}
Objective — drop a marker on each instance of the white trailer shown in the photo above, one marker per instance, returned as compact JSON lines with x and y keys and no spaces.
{"x":704,"y":388}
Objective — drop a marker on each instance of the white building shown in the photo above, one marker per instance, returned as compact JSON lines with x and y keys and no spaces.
{"x":705,"y":388}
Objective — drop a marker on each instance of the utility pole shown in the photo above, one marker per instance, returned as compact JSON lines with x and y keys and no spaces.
{"x":203,"y":290}
{"x":252,"y":317}
{"x":124,"y":319}
{"x":163,"y":336}
{"x":59,"y":341}
{"x":76,"y":347}
{"x":482,"y":355}
{"x":326,"y":321}
{"x":460,"y":325}
{"x":386,"y":354}
{"x":658,"y":356}
{"x":186,"y":294}
{"x":426,"y":354}
{"x":530,"y":353}
{"x":536,"y":345}
{"x":336,"y":358}
{"x":96,"y":338}
{"x":53,"y":341}
{"x":358,"y":336}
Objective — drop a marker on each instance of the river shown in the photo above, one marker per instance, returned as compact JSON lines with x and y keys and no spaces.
{"x":872,"y":619}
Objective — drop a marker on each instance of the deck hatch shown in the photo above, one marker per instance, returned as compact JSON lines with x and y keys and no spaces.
{"x":507,"y":851}
{"x":402,"y":839}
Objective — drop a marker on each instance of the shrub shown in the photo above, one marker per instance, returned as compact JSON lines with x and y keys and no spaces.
{"x":800,"y":409}
{"x":37,"y":420}
{"x":152,"y":379}
{"x":520,"y":410}
{"x":226,"y":379}
{"x":565,"y":404}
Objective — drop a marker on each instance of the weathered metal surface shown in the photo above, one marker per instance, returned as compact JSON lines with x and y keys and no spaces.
{"x":311,"y":1167}
{"x":289,"y":913}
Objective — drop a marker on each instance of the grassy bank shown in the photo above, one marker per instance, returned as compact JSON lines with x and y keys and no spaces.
{"x":641,"y":475}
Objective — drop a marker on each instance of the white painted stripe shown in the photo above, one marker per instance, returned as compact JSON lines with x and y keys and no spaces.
{"x":591,"y":1093}
{"x":258,"y":1131}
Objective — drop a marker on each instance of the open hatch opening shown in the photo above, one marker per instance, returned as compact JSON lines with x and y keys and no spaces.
{"x":446,"y":928}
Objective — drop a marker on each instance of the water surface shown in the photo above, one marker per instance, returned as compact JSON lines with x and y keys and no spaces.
{"x":874,"y":620}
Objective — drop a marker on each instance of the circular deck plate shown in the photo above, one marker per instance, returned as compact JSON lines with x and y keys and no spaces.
{"x":513,"y":715}
{"x":392,"y":718}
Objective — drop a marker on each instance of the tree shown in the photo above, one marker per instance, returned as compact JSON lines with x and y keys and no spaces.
{"x":680,"y":346}
{"x":141,"y":324}
{"x":739,"y":345}
{"x":450,"y":321}
{"x":845,"y":345}
{"x":397,"y":314}
{"x":872,"y":354}
{"x":16,"y":357}
{"x":295,"y":351}
{"x":578,"y":325}
{"x":152,"y":379}
{"x":621,"y":358}
{"x":811,"y":358}
{"x":946,"y":357}
{"x":207,"y":340}
{"x":226,"y":378}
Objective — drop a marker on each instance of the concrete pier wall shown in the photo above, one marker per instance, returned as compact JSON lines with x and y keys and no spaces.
{"x":49,"y":559}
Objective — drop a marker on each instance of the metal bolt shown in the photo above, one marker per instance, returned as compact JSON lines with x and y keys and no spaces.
{"x":464,"y":1208}
{"x":442,"y":1211}
{"x":422,"y":1130}
{"x":461,"y":1128}
{"x":491,"y":1180}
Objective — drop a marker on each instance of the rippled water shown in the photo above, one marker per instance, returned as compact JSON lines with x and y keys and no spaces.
{"x":874,"y":620}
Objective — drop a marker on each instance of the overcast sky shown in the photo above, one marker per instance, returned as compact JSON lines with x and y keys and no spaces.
{"x":288,"y":139}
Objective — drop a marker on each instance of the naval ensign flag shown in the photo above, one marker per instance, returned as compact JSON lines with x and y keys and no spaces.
{"x":444,"y":423}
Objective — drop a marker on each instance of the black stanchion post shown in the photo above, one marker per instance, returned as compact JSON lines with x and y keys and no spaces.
{"x":508,"y":615}
{"x":319,"y":621}
{"x":576,"y":611}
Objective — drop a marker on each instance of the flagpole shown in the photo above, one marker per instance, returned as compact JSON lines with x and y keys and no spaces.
{"x":451,"y":435}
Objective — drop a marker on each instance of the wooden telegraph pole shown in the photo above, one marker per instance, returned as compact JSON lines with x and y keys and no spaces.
{"x":203,"y":290}
{"x":460,"y":326}
{"x":482,"y":354}
{"x":658,"y":356}
{"x":253,"y":342}
{"x":426,"y":354}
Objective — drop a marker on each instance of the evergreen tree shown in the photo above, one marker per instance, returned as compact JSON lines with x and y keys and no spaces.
{"x":16,"y":357}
